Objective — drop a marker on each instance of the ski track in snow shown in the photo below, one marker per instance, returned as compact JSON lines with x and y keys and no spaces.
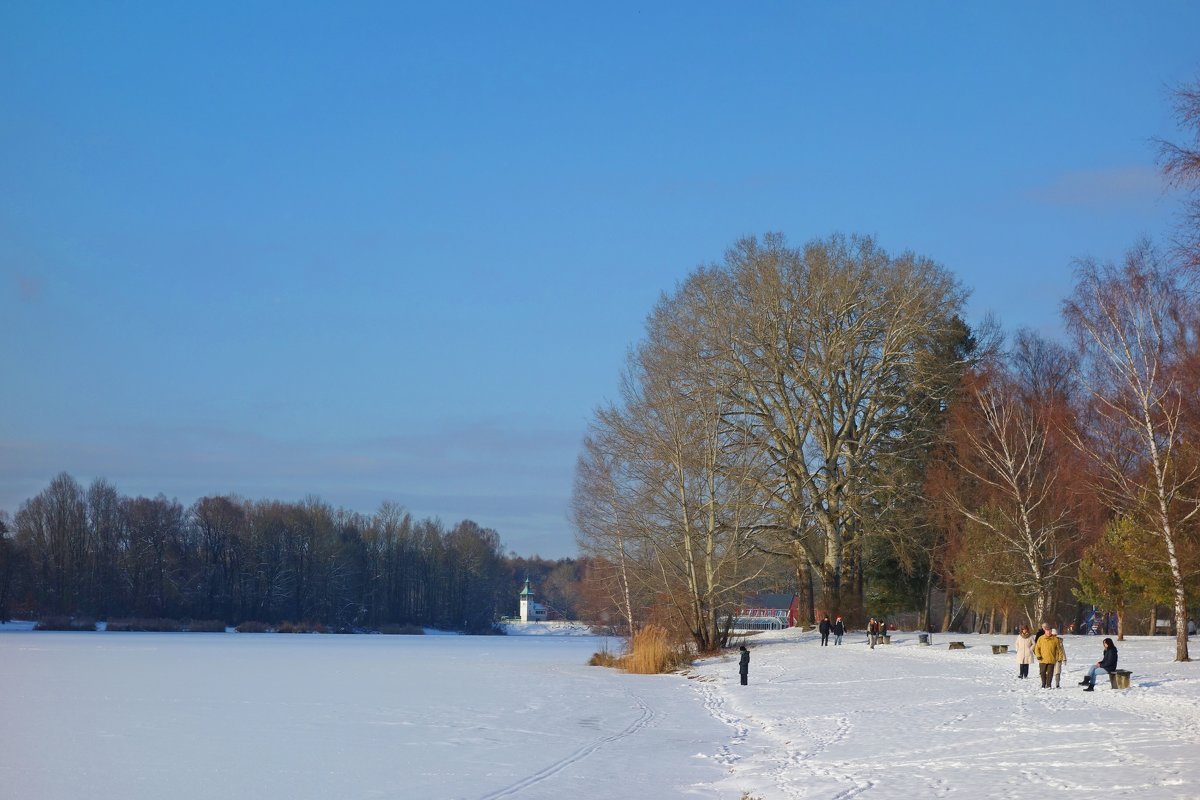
{"x":645,"y":718}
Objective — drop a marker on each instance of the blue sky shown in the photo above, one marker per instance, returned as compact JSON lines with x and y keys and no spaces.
{"x":397,"y":251}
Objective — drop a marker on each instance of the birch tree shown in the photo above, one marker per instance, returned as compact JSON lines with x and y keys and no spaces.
{"x":1132,"y":323}
{"x":1011,"y":460}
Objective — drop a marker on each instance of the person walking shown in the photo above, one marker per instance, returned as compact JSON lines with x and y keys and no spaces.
{"x":839,"y":630}
{"x":826,"y":628}
{"x":1024,"y":648}
{"x":1048,"y":651}
{"x":1108,"y":663}
{"x":872,"y":631}
{"x":1058,"y":665}
{"x":744,"y":665}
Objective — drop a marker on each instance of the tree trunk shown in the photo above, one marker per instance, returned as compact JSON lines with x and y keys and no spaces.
{"x":804,"y":586}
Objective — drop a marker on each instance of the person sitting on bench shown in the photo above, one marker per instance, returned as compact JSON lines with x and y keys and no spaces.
{"x":1108,"y":664}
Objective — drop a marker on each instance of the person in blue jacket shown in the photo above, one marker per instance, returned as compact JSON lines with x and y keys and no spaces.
{"x":1108,"y":663}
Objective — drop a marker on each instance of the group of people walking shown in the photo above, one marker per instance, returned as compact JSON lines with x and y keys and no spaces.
{"x":837,"y":628}
{"x":875,"y":629}
{"x":1047,"y":648}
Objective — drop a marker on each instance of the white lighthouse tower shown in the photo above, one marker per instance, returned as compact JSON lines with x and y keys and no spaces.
{"x":531,"y":611}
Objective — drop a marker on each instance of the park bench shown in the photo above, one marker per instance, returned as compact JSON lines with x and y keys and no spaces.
{"x":1119,"y":678}
{"x":958,"y":646}
{"x":923,"y":638}
{"x":882,"y":639}
{"x":999,"y":648}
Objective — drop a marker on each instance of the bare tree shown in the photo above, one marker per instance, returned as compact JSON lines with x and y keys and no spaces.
{"x":662,"y":494}
{"x":1014,"y":474}
{"x":1181,"y":167}
{"x":53,"y":527}
{"x":834,"y":358}
{"x":1131,"y":323}
{"x":598,"y":511}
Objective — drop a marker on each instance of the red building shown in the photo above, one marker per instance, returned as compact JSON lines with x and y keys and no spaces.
{"x":768,"y":611}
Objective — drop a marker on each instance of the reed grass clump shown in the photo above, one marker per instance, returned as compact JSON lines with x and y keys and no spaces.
{"x":605,"y":658}
{"x":650,"y":652}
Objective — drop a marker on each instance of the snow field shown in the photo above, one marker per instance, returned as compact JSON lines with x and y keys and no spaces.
{"x":910,"y":721}
{"x":275,"y":717}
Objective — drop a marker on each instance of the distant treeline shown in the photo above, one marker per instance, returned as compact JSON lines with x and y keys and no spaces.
{"x":95,"y":552}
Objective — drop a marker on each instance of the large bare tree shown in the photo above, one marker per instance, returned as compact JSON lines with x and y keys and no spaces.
{"x":835,"y":358}
{"x":1132,"y":324}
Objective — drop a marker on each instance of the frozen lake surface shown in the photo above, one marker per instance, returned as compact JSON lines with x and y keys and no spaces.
{"x":111,"y":716}
{"x":269,"y":716}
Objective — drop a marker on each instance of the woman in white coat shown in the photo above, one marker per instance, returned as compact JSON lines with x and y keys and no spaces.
{"x":1024,"y":650}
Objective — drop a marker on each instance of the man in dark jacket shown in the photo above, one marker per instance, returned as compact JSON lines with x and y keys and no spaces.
{"x":826,"y":627}
{"x":744,"y":665}
{"x":1108,"y":663}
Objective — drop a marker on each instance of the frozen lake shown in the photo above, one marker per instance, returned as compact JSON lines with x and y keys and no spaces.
{"x":274,"y":717}
{"x":143,"y":715}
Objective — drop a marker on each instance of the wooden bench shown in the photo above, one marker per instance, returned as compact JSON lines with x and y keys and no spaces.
{"x":957,"y":646}
{"x":923,"y":638}
{"x":881,"y":639}
{"x":999,"y":648}
{"x":1119,"y":678}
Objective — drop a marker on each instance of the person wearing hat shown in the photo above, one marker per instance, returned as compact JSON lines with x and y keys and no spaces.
{"x":744,"y":665}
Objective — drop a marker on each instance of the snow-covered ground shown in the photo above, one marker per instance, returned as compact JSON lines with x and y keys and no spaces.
{"x":548,"y":628}
{"x":906,"y":721}
{"x":115,"y":715}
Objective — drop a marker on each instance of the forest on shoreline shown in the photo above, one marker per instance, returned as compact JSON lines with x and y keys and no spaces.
{"x":75,"y":552}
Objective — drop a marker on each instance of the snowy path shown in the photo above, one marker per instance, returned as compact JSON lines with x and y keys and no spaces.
{"x":906,"y":721}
